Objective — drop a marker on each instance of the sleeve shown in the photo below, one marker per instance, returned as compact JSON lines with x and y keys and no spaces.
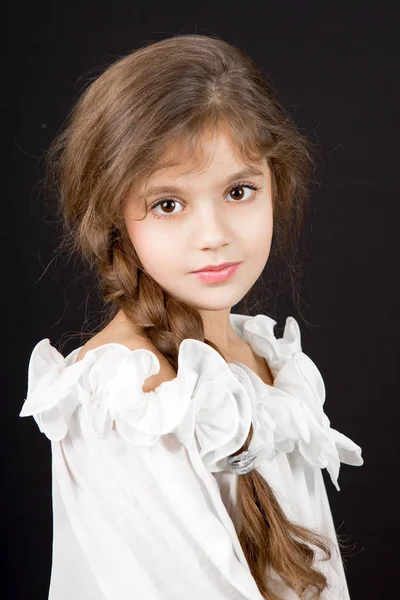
{"x":136,"y":513}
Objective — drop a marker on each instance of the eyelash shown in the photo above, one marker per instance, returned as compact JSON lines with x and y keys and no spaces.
{"x":237,"y":185}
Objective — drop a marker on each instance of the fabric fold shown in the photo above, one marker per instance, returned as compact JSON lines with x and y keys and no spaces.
{"x":294,"y":404}
{"x":210,"y":398}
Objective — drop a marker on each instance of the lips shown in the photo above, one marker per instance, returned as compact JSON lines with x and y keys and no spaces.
{"x":216,"y":267}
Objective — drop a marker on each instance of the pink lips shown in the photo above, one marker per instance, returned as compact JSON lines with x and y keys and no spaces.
{"x":216,"y":267}
{"x":218,"y":275}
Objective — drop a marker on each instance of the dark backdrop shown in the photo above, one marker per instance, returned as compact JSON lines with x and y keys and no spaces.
{"x":335,"y":67}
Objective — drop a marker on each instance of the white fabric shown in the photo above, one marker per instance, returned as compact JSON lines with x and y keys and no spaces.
{"x":143,"y":494}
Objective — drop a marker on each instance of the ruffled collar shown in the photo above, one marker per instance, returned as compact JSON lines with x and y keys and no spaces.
{"x":210,"y":402}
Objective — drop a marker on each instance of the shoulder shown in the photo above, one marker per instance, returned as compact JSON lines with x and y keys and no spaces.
{"x":132,"y":342}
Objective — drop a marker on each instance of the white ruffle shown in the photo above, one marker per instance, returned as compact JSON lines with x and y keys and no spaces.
{"x":290,"y":413}
{"x":209,"y":399}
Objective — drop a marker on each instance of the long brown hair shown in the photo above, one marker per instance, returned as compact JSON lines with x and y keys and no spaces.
{"x":118,"y":131}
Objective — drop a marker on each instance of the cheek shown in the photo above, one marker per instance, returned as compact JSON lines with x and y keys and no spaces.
{"x":153,"y":247}
{"x":258,"y":229}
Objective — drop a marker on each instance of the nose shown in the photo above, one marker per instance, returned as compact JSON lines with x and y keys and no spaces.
{"x":211,"y":226}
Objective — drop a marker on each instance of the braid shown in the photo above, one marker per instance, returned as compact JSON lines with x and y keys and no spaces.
{"x":162,"y":319}
{"x":272,"y":541}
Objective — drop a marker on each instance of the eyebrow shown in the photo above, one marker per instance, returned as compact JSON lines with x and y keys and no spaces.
{"x":171,"y":189}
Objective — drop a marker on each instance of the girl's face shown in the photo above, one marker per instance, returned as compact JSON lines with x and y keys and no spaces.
{"x":205,"y":217}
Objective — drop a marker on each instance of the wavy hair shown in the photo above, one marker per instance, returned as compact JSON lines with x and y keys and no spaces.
{"x":117,"y":132}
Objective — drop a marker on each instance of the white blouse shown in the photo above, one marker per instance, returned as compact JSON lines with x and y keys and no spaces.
{"x":143,"y":494}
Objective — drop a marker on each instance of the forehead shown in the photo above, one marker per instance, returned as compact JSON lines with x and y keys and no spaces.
{"x":213,"y":150}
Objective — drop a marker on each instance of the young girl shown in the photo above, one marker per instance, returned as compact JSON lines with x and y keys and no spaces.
{"x":187,"y":441}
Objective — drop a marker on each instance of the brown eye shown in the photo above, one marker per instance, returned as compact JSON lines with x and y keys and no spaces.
{"x":239,"y":187}
{"x":167,"y":204}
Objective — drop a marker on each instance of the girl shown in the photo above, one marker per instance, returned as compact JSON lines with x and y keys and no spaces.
{"x":187,"y":441}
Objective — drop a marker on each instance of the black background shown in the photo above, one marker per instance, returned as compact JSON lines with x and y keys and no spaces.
{"x":335,"y":67}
